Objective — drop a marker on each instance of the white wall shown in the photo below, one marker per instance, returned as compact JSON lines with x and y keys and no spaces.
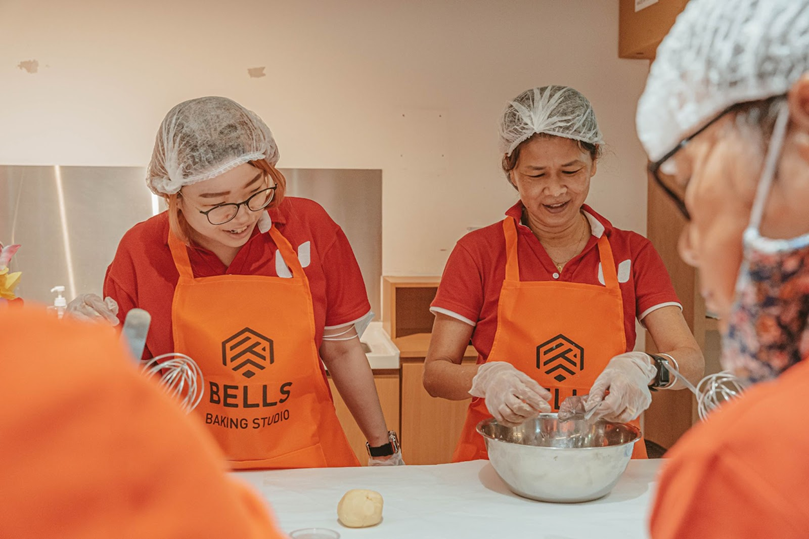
{"x":412,"y":87}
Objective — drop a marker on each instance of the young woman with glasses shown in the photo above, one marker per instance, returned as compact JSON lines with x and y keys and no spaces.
{"x":256,"y":287}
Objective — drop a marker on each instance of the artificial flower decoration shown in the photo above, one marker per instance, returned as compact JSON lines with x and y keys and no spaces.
{"x":8,"y":281}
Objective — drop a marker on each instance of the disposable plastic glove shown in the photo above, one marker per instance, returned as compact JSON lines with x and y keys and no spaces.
{"x":627,"y":378}
{"x":511,"y":396}
{"x":393,"y":460}
{"x":92,"y":308}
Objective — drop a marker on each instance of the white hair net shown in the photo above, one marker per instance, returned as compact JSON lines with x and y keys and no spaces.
{"x":552,"y":110}
{"x":720,"y":53}
{"x":203,"y":138}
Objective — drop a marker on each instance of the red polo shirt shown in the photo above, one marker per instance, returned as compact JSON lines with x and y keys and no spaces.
{"x":143,"y":273}
{"x":474,"y":274}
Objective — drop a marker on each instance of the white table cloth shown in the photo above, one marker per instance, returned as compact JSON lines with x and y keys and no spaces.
{"x":467,"y":500}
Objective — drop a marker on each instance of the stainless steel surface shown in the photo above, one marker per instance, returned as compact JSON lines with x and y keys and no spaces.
{"x":559,"y":461}
{"x":69,"y":220}
{"x":353,"y":198}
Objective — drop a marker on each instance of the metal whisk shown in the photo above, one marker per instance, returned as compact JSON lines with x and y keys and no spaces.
{"x":713,"y":390}
{"x":179,"y":375}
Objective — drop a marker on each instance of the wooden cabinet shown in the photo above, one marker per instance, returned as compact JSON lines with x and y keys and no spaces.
{"x":387,"y":386}
{"x":672,"y":413}
{"x":430,"y":426}
{"x":640,"y":32}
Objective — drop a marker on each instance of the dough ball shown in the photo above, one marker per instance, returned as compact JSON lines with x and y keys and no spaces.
{"x":360,"y":508}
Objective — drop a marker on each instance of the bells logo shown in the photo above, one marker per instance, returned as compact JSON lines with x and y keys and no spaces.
{"x":561,"y":356}
{"x":247,"y":352}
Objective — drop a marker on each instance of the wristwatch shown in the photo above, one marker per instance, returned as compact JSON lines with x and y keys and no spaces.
{"x":384,"y":450}
{"x":663,"y":379}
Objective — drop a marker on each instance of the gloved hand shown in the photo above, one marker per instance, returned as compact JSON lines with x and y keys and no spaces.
{"x":511,"y":396}
{"x":92,"y":308}
{"x":627,"y":377}
{"x":393,"y":460}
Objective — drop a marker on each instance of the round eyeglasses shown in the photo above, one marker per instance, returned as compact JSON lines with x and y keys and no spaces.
{"x":223,"y":213}
{"x":663,"y":169}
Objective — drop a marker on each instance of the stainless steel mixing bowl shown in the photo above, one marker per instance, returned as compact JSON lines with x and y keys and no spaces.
{"x":559,"y":461}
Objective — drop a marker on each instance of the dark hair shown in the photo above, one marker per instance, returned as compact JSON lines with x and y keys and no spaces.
{"x":510,"y":161}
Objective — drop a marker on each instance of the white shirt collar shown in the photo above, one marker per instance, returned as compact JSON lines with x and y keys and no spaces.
{"x":595,"y":225}
{"x":264,"y":222}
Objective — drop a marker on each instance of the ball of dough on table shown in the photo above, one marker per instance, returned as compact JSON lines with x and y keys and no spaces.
{"x":360,"y":508}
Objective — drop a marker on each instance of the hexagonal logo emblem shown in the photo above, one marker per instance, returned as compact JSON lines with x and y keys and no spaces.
{"x":247,"y":352}
{"x":561,"y":356}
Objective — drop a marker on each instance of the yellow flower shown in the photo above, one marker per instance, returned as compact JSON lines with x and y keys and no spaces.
{"x":8,"y":282}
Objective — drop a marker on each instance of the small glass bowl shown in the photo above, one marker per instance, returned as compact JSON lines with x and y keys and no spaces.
{"x":314,"y":533}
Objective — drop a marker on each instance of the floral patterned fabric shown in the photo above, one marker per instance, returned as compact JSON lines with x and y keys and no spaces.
{"x":767,"y":328}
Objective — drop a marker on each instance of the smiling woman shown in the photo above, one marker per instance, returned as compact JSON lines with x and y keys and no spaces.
{"x":260,"y":185}
{"x":550,"y":285}
{"x":256,"y":287}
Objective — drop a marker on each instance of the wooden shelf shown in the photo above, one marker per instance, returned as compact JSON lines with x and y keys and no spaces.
{"x":406,"y":304}
{"x":640,"y":32}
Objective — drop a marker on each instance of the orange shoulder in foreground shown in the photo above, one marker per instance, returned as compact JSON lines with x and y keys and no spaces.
{"x":91,"y":449}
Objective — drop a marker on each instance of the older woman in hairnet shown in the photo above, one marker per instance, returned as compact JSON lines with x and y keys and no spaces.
{"x":549,"y":295}
{"x":256,"y":287}
{"x":725,"y":119}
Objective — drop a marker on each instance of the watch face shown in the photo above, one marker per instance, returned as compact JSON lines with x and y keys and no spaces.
{"x":663,"y":373}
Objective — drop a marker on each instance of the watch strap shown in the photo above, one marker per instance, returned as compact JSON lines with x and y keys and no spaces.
{"x":384,"y":450}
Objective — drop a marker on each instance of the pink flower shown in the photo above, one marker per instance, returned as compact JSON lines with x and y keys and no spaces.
{"x":6,"y":253}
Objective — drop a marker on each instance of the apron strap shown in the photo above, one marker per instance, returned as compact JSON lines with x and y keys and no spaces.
{"x":179,"y":252}
{"x":287,"y":253}
{"x":513,"y":265}
{"x":607,"y":263}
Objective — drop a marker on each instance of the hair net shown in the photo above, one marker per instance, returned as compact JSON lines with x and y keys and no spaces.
{"x":203,"y":138}
{"x":553,"y":110}
{"x":720,"y":53}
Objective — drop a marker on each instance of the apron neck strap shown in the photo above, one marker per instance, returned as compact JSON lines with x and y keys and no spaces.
{"x":287,"y":253}
{"x":607,"y":263}
{"x":179,"y":253}
{"x":513,"y":265}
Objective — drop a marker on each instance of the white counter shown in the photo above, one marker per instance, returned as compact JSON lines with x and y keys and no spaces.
{"x":383,"y":354}
{"x":463,"y":501}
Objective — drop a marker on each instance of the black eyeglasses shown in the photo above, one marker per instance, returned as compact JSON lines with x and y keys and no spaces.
{"x":221,"y":214}
{"x":671,"y":185}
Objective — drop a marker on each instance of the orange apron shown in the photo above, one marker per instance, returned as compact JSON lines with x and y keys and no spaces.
{"x":561,"y":334}
{"x":266,"y":400}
